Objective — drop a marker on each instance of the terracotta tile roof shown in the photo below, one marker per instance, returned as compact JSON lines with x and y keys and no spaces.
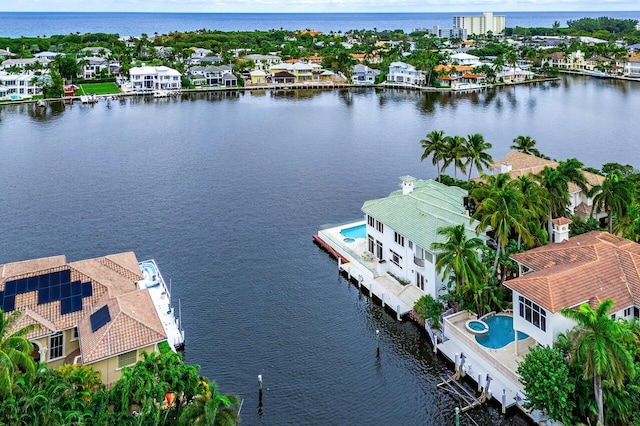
{"x":27,"y":266}
{"x":523,"y":164}
{"x":587,"y":268}
{"x":134,"y":324}
{"x":583,"y":209}
{"x":561,"y":221}
{"x":134,"y":320}
{"x":448,"y":67}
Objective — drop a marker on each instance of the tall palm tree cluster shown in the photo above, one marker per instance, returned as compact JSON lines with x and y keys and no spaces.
{"x":158,"y":390}
{"x":517,"y":212}
{"x":463,"y":153}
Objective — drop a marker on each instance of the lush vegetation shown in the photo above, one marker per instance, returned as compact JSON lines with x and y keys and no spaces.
{"x":590,"y":375}
{"x":158,"y":390}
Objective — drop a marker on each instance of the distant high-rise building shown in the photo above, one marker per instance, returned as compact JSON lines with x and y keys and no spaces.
{"x":460,"y":33}
{"x":480,"y":25}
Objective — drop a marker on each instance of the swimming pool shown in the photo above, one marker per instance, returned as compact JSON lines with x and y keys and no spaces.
{"x":500,"y":332}
{"x":359,"y":231}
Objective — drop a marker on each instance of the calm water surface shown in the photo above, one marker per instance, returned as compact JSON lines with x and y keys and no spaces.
{"x":225,"y":192}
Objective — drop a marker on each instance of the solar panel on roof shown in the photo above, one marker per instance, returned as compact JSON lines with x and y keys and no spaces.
{"x":76,"y":303}
{"x":65,"y":290}
{"x":43,"y":296}
{"x":65,"y":276}
{"x":65,"y":306}
{"x":76,"y":288}
{"x":9,"y":303}
{"x":54,"y":293}
{"x":10,"y":287}
{"x":55,"y":278}
{"x":33,"y":283}
{"x":21,"y":286}
{"x":87,"y":289}
{"x":44,"y":281}
{"x":100,"y":318}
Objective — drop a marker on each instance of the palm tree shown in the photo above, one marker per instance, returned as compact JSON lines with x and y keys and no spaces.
{"x":474,"y":150}
{"x":615,"y":195}
{"x":556,"y":182}
{"x":535,"y":205}
{"x":14,"y":351}
{"x":600,"y":348}
{"x":498,"y":64}
{"x":454,"y":146}
{"x":458,"y":256}
{"x":434,"y":145}
{"x":211,"y":408}
{"x":628,"y":226}
{"x":500,"y":207}
{"x":512,"y":58}
{"x":526,"y":145}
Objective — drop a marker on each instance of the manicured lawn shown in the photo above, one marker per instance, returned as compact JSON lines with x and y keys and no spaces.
{"x":97,"y":89}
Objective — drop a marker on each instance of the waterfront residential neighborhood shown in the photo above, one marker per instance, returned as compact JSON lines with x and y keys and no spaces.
{"x":477,"y":52}
{"x":471,"y":289}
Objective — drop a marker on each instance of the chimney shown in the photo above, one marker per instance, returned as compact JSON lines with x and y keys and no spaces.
{"x":407,"y":184}
{"x":505,"y":168}
{"x":560,"y":229}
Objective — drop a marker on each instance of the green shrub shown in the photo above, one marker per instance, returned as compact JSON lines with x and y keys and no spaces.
{"x":429,"y":308}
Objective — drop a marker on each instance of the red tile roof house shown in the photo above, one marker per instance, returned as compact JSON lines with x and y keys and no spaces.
{"x":97,"y":312}
{"x":588,"y":268}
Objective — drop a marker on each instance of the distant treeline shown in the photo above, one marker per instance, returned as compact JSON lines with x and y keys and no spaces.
{"x":603,"y":27}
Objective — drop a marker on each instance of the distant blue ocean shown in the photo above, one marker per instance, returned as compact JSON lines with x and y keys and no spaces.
{"x":16,"y":24}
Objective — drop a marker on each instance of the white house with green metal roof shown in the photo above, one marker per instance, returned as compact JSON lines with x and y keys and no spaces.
{"x":401,"y":228}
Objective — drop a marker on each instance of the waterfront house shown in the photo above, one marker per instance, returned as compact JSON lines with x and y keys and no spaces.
{"x":518,"y":164}
{"x":258,"y":77}
{"x":401,"y":228}
{"x":211,"y":75}
{"x":302,"y":71}
{"x":25,"y":63}
{"x":103,"y":312}
{"x":263,"y":62}
{"x":5,"y":53}
{"x":632,"y":68}
{"x":283,"y":77}
{"x":92,"y":67}
{"x":402,"y":73}
{"x":587,"y":268}
{"x":101,"y":52}
{"x":147,"y":78}
{"x":47,"y":55}
{"x":18,"y":86}
{"x":362,"y":74}
{"x":465,"y":59}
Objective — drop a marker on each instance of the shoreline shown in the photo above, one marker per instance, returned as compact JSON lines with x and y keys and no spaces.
{"x":289,"y":87}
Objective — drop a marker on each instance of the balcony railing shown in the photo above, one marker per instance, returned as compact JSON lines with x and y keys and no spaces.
{"x":418,"y":261}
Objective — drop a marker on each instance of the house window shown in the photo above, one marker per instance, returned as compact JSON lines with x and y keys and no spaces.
{"x":636,"y":312}
{"x":370,"y":243}
{"x":533,"y":313}
{"x":396,"y":258}
{"x":627,"y":312}
{"x":371,"y":221}
{"x":399,"y":239}
{"x":379,"y":226}
{"x":56,"y":345}
{"x":411,"y":245}
{"x":420,"y":281}
{"x":428,"y":256}
{"x":128,"y":358}
{"x":379,"y":250}
{"x":74,"y":334}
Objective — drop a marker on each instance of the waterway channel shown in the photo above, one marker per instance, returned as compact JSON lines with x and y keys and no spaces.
{"x":225,"y":190}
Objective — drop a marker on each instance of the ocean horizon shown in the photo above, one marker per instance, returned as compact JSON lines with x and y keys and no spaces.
{"x":33,"y":24}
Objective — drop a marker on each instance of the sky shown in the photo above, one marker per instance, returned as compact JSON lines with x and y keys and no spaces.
{"x":317,"y":6}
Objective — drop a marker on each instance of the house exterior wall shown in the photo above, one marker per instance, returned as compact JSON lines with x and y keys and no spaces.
{"x":109,"y":370}
{"x":408,"y":267}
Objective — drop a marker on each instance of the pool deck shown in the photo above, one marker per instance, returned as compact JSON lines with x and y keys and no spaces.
{"x":501,"y":364}
{"x":364,"y":268}
{"x":162,"y":301}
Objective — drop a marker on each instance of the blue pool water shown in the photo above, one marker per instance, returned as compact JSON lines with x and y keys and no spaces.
{"x":500,"y":332}
{"x":359,"y":231}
